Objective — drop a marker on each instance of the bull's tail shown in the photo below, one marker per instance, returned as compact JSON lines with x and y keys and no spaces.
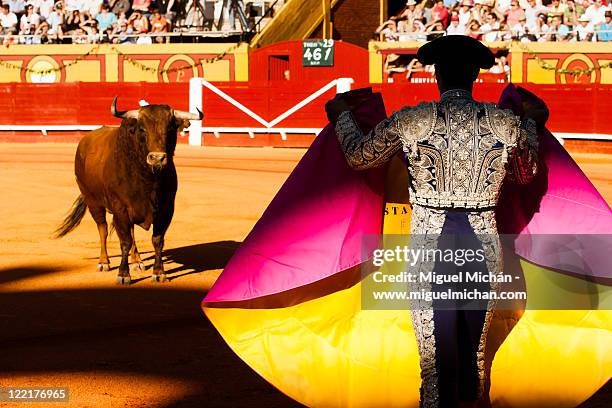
{"x":73,"y":219}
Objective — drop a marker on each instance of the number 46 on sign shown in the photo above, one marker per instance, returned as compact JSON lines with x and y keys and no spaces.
{"x":318,"y":53}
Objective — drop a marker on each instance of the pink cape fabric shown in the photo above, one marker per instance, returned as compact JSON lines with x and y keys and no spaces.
{"x":314,"y":226}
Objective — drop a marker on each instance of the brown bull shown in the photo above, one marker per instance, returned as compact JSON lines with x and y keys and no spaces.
{"x":129,"y":172}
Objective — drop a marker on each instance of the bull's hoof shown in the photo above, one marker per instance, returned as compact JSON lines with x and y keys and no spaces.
{"x":159,"y":278}
{"x":137,"y":267}
{"x":103,"y":267}
{"x":124,"y":280}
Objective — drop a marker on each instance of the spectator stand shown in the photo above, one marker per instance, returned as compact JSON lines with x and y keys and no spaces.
{"x":133,"y":21}
{"x":399,"y":63}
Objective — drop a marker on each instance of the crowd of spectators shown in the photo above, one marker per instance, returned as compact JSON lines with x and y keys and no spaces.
{"x":501,"y":20}
{"x":112,"y":21}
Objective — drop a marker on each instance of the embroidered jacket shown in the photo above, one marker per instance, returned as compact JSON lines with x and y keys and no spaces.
{"x":459,"y":150}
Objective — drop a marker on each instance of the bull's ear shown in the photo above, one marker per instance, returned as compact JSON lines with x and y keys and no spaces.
{"x":181,"y":125}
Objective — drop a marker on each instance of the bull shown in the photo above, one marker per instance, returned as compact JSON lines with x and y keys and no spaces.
{"x":129,"y":172}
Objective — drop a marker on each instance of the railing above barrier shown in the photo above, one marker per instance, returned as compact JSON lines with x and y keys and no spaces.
{"x":196,"y":129}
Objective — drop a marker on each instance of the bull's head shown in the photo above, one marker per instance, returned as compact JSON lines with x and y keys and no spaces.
{"x":156,"y":127}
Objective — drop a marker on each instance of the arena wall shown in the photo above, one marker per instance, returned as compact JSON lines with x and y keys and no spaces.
{"x":582,"y":109}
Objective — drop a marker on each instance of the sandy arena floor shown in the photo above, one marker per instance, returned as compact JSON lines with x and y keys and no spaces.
{"x":62,"y":323}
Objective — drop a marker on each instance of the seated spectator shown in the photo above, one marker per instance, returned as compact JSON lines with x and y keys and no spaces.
{"x":411,"y":12}
{"x":584,"y":31}
{"x":93,"y":35}
{"x":474,"y":31}
{"x":124,"y":35}
{"x":158,"y":23}
{"x":436,"y":30}
{"x":73,"y":5}
{"x":107,"y":36}
{"x":105,"y":18}
{"x":73,"y":22}
{"x":596,"y":12}
{"x":41,"y":35}
{"x":604,"y":30}
{"x":44,"y":7}
{"x":491,"y":28}
{"x":119,"y":7}
{"x":556,"y":8}
{"x":541,"y":29}
{"x":27,"y":35}
{"x":574,"y":10}
{"x":477,"y":12}
{"x":454,"y":28}
{"x":121,"y":19}
{"x":440,"y":13}
{"x":388,"y":30}
{"x":514,"y":14}
{"x":8,"y":20}
{"x":56,"y":20}
{"x":16,"y":6}
{"x":557,"y":31}
{"x":92,"y":7}
{"x":501,"y":66}
{"x":139,"y":22}
{"x":532,"y":10}
{"x":521,"y":31}
{"x":465,"y":14}
{"x":141,"y":5}
{"x":30,"y":18}
{"x":502,"y":5}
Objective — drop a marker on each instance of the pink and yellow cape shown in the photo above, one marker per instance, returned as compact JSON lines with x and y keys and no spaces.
{"x":289,"y":301}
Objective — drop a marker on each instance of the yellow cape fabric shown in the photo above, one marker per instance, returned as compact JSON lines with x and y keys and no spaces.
{"x":327,"y":352}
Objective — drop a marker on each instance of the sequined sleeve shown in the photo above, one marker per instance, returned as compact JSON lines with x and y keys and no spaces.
{"x":523,"y":163}
{"x":372,"y":149}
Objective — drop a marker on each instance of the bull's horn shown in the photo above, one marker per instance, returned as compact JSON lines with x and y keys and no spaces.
{"x":188,"y":115}
{"x":133,"y":114}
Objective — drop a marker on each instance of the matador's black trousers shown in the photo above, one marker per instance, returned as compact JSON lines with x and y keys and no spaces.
{"x":458,"y":325}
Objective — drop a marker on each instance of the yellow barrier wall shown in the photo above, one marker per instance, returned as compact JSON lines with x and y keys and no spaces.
{"x":124,"y":63}
{"x":540,"y":63}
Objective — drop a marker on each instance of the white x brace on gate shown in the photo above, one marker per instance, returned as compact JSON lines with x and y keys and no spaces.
{"x":195,"y":101}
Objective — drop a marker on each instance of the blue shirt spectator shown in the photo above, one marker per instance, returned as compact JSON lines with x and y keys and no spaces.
{"x":604,"y":30}
{"x":105,"y":19}
{"x":16,"y":6}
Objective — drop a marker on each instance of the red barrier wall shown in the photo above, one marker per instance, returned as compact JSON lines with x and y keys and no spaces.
{"x":574,"y":108}
{"x":266,"y":63}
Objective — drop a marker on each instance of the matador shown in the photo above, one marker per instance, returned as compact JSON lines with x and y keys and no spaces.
{"x":458,"y":152}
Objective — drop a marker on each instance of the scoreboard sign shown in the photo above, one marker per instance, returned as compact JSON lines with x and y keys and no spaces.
{"x":318,"y":53}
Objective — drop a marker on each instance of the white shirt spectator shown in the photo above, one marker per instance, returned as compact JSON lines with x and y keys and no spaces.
{"x":8,"y":20}
{"x":519,"y":30}
{"x":583,"y":31}
{"x":55,"y":20}
{"x":503,"y":5}
{"x":464,"y":17}
{"x":44,"y":7}
{"x":16,"y":6}
{"x":596,"y":13}
{"x":491,"y":32}
{"x":26,"y":21}
{"x":532,"y":9}
{"x":454,"y":28}
{"x":72,"y":5}
{"x":92,"y":7}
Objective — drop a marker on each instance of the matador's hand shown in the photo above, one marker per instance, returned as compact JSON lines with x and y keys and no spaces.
{"x":347,"y":101}
{"x":534,"y":107}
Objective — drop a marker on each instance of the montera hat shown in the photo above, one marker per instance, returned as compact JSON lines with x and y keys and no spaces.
{"x":456,"y":50}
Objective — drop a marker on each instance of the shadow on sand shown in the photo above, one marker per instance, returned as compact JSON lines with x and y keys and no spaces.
{"x":138,"y":331}
{"x":130,"y":331}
